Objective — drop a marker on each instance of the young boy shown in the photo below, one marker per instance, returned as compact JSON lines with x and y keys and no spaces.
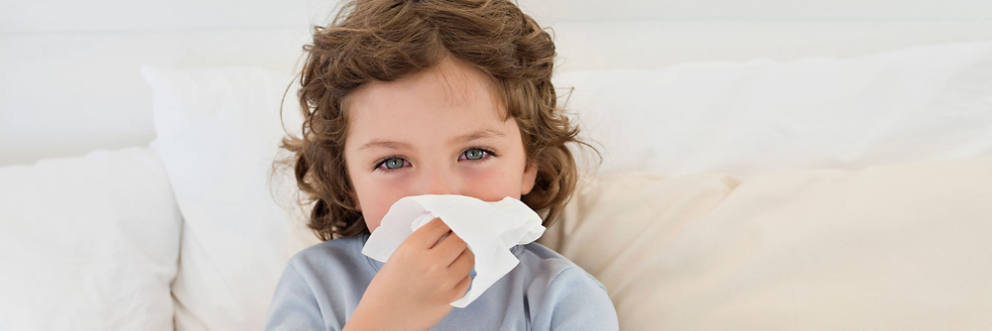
{"x":406,"y":98}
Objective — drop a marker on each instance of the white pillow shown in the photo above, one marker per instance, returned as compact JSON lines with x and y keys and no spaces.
{"x":921,"y":103}
{"x":890,"y":247}
{"x":88,"y":243}
{"x":218,"y":134}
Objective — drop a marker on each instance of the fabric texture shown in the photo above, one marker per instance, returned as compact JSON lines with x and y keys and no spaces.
{"x":88,"y":243}
{"x":746,"y":117}
{"x":890,"y":247}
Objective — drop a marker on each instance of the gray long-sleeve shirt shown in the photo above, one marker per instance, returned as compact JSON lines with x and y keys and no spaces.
{"x":323,"y":284}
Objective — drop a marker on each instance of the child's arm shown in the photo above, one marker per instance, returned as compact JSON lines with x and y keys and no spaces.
{"x":293,"y":306}
{"x":413,"y":290}
{"x":575,"y":300}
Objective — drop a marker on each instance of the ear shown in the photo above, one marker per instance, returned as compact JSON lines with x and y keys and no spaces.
{"x":530,"y":175}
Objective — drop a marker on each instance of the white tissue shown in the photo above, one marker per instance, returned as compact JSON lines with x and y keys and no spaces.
{"x":489,"y":228}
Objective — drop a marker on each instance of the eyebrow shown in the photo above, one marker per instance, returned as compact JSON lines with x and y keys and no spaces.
{"x":481,"y":134}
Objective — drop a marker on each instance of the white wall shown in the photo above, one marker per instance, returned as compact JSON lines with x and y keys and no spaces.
{"x":70,"y":80}
{"x":115,"y":15}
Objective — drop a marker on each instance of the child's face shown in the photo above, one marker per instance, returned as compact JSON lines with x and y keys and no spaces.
{"x":436,"y":132}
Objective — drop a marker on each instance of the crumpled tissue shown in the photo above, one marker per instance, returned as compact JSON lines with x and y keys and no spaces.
{"x":489,"y":228}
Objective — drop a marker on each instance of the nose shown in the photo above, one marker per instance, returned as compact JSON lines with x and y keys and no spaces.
{"x":438,"y":181}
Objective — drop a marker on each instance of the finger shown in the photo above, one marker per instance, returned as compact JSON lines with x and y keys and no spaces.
{"x":450,"y":248}
{"x":429,"y":234}
{"x":464,"y":263}
{"x":462,"y":287}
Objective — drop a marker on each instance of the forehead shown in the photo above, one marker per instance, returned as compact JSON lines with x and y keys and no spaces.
{"x":450,"y":98}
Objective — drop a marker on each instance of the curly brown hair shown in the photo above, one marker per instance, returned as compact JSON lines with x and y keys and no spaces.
{"x":386,"y":40}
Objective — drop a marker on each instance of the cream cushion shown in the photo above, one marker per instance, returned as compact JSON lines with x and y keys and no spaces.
{"x":895,"y":247}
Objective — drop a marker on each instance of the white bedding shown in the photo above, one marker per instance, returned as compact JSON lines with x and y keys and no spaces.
{"x":88,"y":243}
{"x":919,"y":103}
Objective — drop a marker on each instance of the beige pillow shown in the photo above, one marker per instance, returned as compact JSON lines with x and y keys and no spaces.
{"x":896,"y":247}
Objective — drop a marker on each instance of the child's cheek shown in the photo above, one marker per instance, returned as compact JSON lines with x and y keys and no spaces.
{"x":396,"y":185}
{"x":487,"y":173}
{"x":490,"y":183}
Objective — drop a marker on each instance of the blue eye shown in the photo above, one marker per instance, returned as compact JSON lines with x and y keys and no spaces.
{"x":475,"y":154}
{"x":391,"y":163}
{"x":396,"y":162}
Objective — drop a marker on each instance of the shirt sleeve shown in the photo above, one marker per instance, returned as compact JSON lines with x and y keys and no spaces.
{"x":293,"y":306}
{"x":578,"y":301}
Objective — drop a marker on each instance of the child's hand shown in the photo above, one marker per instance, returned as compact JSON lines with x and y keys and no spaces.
{"x":415,"y":287}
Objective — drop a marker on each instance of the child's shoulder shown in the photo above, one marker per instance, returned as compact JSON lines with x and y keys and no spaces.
{"x":550,"y":266}
{"x":342,"y":252}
